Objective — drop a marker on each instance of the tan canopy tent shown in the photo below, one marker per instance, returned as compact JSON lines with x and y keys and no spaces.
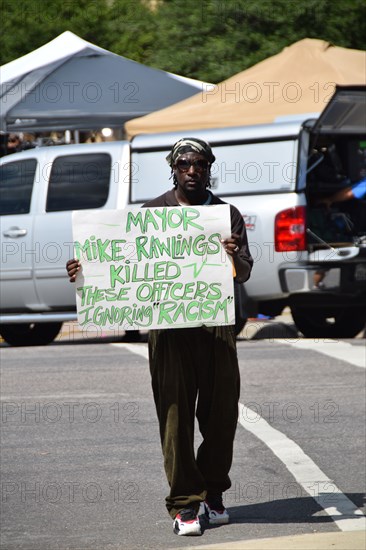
{"x":298,"y":80}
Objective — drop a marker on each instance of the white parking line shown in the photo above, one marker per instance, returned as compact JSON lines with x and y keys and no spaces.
{"x":354,"y":354}
{"x":323,"y":490}
{"x":340,"y":508}
{"x":139,"y":349}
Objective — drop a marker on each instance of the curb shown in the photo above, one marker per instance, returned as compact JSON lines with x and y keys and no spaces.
{"x":338,"y":540}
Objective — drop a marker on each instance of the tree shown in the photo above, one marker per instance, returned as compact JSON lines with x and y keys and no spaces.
{"x":205,"y":39}
{"x":28,"y":25}
{"x":214,"y":39}
{"x":132,"y":29}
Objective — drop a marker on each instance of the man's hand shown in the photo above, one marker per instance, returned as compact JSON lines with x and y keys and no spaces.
{"x":232,"y":245}
{"x":72,"y":268}
{"x":242,"y":267}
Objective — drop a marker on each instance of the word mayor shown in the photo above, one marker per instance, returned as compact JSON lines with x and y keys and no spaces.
{"x":154,"y":287}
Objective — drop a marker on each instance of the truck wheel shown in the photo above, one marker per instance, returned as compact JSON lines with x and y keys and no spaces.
{"x":318,"y":323}
{"x":30,"y":334}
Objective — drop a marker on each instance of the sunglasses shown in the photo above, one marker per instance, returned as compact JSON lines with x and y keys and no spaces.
{"x":200,"y":165}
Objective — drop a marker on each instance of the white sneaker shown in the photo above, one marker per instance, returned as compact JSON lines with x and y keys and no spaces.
{"x":186,"y":522}
{"x":215,"y":510}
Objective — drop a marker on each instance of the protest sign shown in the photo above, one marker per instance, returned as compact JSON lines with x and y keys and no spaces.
{"x":151,"y":268}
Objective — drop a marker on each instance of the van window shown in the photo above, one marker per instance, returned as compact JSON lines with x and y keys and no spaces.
{"x":239,"y":169}
{"x":16,"y":184}
{"x":250,"y":168}
{"x":150,"y":175}
{"x":78,"y":182}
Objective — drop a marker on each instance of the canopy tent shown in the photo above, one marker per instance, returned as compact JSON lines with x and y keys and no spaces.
{"x":71,"y":84}
{"x":298,"y":80}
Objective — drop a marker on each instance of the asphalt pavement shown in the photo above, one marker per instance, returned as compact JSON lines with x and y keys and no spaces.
{"x":82,"y":467}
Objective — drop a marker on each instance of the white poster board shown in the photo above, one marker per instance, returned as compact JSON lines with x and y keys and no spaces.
{"x":152,"y":268}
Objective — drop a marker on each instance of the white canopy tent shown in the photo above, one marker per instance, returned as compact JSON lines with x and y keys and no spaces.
{"x":25,"y":106}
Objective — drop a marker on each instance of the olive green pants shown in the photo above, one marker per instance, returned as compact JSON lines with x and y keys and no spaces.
{"x":195,"y":373}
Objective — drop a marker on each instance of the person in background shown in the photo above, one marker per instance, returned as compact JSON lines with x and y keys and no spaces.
{"x":355,"y":191}
{"x":195,"y":371}
{"x":17,"y":143}
{"x":14,"y":144}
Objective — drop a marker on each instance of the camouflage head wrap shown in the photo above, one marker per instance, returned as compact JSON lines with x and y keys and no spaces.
{"x":190,"y":145}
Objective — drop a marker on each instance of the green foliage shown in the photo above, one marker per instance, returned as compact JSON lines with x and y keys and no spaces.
{"x":214,"y":39}
{"x":205,"y":39}
{"x":28,"y":25}
{"x":131,"y":29}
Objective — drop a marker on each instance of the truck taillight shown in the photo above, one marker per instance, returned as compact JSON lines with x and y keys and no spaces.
{"x":290,"y":229}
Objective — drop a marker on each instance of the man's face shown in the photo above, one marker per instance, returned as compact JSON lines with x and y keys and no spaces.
{"x":192,"y":171}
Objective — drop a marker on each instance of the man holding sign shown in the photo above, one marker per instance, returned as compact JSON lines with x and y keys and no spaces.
{"x":195,"y":370}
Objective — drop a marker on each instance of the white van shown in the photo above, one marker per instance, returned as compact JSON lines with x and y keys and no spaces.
{"x":308,"y":256}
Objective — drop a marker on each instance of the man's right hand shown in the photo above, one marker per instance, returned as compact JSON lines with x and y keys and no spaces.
{"x":72,"y":268}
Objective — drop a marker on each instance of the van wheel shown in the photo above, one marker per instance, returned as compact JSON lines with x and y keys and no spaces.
{"x":30,"y":334}
{"x":318,"y":323}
